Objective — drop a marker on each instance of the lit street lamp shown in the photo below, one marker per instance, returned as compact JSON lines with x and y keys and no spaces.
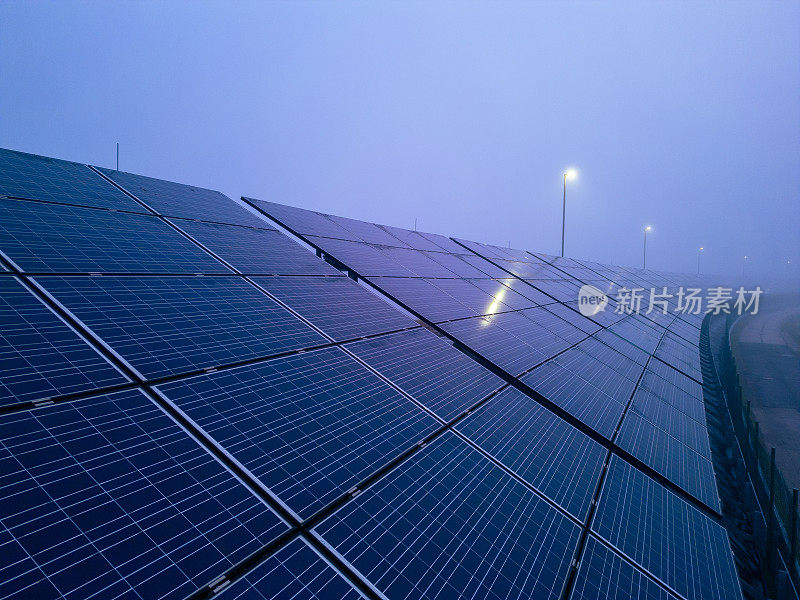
{"x":699,"y":252}
{"x":568,"y":174}
{"x":644,"y":258}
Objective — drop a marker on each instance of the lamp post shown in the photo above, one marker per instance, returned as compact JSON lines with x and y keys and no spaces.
{"x":568,"y":174}
{"x":644,"y":257}
{"x":699,"y":252}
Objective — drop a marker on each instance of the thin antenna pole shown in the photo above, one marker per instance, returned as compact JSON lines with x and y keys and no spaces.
{"x":117,"y":156}
{"x":415,"y":223}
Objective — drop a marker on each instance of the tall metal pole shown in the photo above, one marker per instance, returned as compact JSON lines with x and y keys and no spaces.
{"x":644,"y":257}
{"x":117,"y":156}
{"x":563,"y":214}
{"x":698,"y":262}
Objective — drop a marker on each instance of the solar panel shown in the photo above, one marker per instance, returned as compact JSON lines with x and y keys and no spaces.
{"x":367,"y":232}
{"x":364,"y":259}
{"x":604,"y":574}
{"x":503,"y":293}
{"x":42,"y":237}
{"x":295,"y":572}
{"x":558,"y":460}
{"x":337,"y":305}
{"x":413,"y":239}
{"x":423,"y":297}
{"x":40,"y":356}
{"x":681,"y":426}
{"x":429,"y":369}
{"x":667,"y":455}
{"x":108,"y":497}
{"x":179,"y":200}
{"x":681,"y":355}
{"x":449,"y":523}
{"x":401,"y":456}
{"x":594,"y":386}
{"x":665,"y":536}
{"x":256,"y":251}
{"x":41,"y":178}
{"x":167,"y":325}
{"x":309,"y":426}
{"x":456,"y":264}
{"x":495,"y":343}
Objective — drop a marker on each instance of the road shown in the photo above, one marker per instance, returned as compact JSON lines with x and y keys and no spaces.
{"x":767,"y":352}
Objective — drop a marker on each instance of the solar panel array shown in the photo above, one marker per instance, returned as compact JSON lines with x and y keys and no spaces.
{"x":193,"y":404}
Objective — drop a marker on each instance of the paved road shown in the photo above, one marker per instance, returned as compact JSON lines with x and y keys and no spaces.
{"x":768,"y":357}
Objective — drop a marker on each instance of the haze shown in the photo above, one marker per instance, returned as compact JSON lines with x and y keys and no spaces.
{"x":683,"y":116}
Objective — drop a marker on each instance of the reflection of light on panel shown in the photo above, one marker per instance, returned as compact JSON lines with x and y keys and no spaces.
{"x":494,"y":306}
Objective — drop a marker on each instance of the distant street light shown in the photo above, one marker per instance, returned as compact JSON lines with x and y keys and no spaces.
{"x":568,"y":174}
{"x":744,"y":262}
{"x":644,"y":258}
{"x":699,"y":252}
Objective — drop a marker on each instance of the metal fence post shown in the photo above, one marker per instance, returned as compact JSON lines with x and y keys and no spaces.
{"x":772,"y":562}
{"x":793,"y":531}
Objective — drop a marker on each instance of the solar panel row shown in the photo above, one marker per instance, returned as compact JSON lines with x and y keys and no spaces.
{"x":272,"y":390}
{"x":603,"y":376}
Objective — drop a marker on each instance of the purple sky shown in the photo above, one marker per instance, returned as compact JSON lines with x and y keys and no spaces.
{"x":684,"y":116}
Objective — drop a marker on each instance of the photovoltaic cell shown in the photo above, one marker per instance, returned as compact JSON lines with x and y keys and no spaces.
{"x":305,"y":222}
{"x":257,"y":251}
{"x":672,"y":420}
{"x":551,"y":455}
{"x":41,"y":237}
{"x":309,"y":426}
{"x":580,"y":397}
{"x":664,"y":453}
{"x":681,"y":355}
{"x":503,"y":294}
{"x":413,"y":239}
{"x":179,"y":200}
{"x":428,"y":368}
{"x":108,"y":497}
{"x":337,"y":305}
{"x":40,"y":356}
{"x":423,"y":297}
{"x":603,"y":574}
{"x":666,"y":536}
{"x":495,"y":344}
{"x":167,"y":325}
{"x":40,"y":178}
{"x":296,"y":572}
{"x":448,"y":523}
{"x":364,"y":259}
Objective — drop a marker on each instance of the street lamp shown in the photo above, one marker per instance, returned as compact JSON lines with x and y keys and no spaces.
{"x":644,"y":258}
{"x":699,"y":252}
{"x":568,"y":174}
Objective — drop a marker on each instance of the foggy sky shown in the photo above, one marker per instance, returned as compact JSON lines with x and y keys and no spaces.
{"x":683,"y":116}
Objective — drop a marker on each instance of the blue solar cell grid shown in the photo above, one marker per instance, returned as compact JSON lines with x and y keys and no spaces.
{"x":107,"y":495}
{"x":179,"y":200}
{"x":340,"y":307}
{"x":449,"y":523}
{"x":169,"y":325}
{"x":309,"y":426}
{"x":296,"y":572}
{"x":52,"y":238}
{"x":40,"y":178}
{"x":40,"y":355}
{"x":684,"y":548}
{"x":256,"y":251}
{"x":558,"y":460}
{"x":428,"y":368}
